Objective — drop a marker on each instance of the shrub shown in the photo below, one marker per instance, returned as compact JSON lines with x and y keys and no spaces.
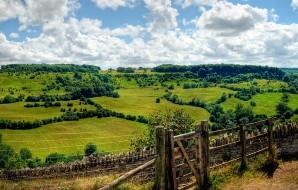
{"x":157,"y":100}
{"x":5,"y":153}
{"x":54,"y":158}
{"x":15,"y":162}
{"x":57,"y":104}
{"x":90,"y":148}
{"x":253,"y":104}
{"x":69,"y":104}
{"x":25,"y":154}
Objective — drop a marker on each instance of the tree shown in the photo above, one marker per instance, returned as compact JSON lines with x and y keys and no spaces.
{"x":283,"y":110}
{"x":177,"y":120}
{"x":25,"y":154}
{"x":15,"y":162}
{"x":5,"y":153}
{"x":90,"y":149}
{"x":243,"y":114}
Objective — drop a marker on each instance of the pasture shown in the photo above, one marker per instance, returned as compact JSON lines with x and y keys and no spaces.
{"x":70,"y":137}
{"x":26,"y":84}
{"x":266,"y":103}
{"x":142,"y":101}
{"x":209,"y":95}
{"x":17,"y":111}
{"x":260,"y":83}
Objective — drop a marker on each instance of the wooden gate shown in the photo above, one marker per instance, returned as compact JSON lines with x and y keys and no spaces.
{"x":183,"y":159}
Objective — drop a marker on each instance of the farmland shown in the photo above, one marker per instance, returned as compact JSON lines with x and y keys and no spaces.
{"x":70,"y":137}
{"x":62,"y":109}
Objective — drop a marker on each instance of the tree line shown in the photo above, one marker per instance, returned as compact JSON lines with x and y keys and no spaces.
{"x":203,"y":71}
{"x":57,"y":68}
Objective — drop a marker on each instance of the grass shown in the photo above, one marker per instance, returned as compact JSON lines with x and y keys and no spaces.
{"x":17,"y":111}
{"x":266,"y":103}
{"x":16,"y":84}
{"x":261,"y":83}
{"x":207,"y":94}
{"x":285,"y":177}
{"x":141,"y":101}
{"x":109,"y":134}
{"x":78,"y":183}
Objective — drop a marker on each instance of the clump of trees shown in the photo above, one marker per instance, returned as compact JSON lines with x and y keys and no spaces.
{"x":213,"y":71}
{"x":8,"y":99}
{"x":177,"y":120}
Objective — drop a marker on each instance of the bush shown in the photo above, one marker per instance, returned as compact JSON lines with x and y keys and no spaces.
{"x":34,"y":163}
{"x":28,"y":105}
{"x":90,"y":149}
{"x":5,"y":153}
{"x":25,"y":154}
{"x":282,"y":109}
{"x":69,"y":104}
{"x":54,"y":158}
{"x":9,"y":99}
{"x":253,"y":104}
{"x":157,"y":100}
{"x":57,"y":104}
{"x":15,"y":162}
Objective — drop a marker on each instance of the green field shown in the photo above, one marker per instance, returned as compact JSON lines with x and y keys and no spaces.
{"x":141,"y":101}
{"x":206,"y":94}
{"x":17,"y":111}
{"x":109,"y":134}
{"x":261,"y":83}
{"x":23,"y":84}
{"x":266,"y":103}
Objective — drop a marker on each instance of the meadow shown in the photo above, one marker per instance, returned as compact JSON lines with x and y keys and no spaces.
{"x":260,"y":83}
{"x":139,"y":94}
{"x":142,"y":101}
{"x":265,"y":103}
{"x":17,"y":111}
{"x":209,"y":95}
{"x":70,"y":137}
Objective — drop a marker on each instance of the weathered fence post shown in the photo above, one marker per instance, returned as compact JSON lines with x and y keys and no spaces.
{"x":243,"y":147}
{"x":171,"y":162}
{"x":160,"y":173}
{"x":204,"y":156}
{"x":270,"y":139}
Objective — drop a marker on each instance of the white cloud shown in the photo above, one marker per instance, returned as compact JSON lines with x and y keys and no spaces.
{"x":113,"y":4}
{"x":294,"y":4}
{"x":229,"y":19}
{"x":187,"y":3}
{"x":31,"y":12}
{"x":162,"y":15}
{"x":43,"y":11}
{"x":86,"y":41}
{"x":10,"y":9}
{"x":14,"y":35}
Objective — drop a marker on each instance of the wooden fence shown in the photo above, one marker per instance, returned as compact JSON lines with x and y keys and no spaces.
{"x":183,"y":161}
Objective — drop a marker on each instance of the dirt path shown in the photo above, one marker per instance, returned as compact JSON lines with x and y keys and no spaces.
{"x":285,"y":178}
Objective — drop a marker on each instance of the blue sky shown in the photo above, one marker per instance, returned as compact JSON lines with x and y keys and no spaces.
{"x":112,"y":33}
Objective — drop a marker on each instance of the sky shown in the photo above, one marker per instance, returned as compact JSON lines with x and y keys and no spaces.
{"x":146,"y":33}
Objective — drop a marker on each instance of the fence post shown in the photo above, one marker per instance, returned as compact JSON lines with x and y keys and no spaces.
{"x":171,"y":162}
{"x":270,"y":139}
{"x":243,"y":147}
{"x":204,"y":142}
{"x":160,"y":173}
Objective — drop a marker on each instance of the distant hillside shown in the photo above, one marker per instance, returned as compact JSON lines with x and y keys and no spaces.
{"x":222,"y":70}
{"x":49,"y":68}
{"x":290,"y":70}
